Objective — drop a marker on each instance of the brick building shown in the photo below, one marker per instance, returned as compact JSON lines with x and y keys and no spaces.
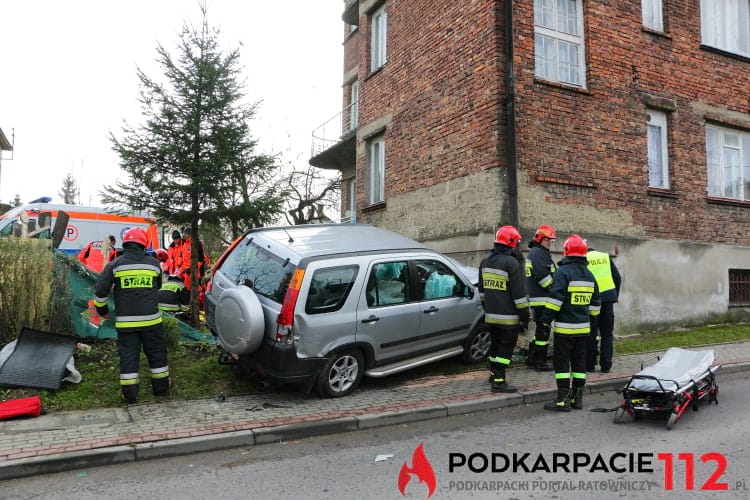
{"x":625,"y":122}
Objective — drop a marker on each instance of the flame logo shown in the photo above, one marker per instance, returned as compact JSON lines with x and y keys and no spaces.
{"x":421,"y":469}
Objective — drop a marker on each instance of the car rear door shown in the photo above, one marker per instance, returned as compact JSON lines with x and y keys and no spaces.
{"x":388,"y":317}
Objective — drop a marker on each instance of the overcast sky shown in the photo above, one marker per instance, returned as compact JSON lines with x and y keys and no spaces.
{"x":68,"y":78}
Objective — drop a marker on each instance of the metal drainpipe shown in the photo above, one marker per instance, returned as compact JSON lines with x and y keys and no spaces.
{"x":510,"y":113}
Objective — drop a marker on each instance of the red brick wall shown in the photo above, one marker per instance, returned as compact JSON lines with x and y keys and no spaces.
{"x":597,"y":138}
{"x":441,"y":84}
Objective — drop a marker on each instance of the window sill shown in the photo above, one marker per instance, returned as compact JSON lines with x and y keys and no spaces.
{"x":567,"y":182}
{"x":727,"y":201}
{"x":662,"y":193}
{"x":376,"y":71}
{"x":378,"y":205}
{"x":660,"y":34}
{"x":722,"y":52}
{"x":560,"y":85}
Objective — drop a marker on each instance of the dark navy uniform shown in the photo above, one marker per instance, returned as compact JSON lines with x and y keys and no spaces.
{"x":502,"y":288}
{"x":136,"y":279}
{"x":539,"y":272}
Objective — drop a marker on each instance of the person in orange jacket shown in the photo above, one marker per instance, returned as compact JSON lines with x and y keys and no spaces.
{"x":173,"y":253}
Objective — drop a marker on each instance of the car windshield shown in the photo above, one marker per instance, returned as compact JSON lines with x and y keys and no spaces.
{"x":266,"y":273}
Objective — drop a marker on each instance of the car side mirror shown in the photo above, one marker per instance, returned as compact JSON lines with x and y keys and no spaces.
{"x":468,"y":292}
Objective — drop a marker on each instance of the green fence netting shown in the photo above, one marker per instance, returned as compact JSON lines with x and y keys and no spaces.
{"x":78,"y":292}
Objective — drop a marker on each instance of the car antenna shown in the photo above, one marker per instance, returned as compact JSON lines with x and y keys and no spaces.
{"x":290,"y":240}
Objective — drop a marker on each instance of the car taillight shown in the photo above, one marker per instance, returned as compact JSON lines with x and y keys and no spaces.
{"x":286,"y":315}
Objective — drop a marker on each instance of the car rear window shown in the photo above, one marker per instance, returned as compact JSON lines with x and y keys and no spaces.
{"x":266,"y":273}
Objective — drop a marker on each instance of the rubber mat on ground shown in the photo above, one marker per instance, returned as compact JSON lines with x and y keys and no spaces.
{"x":38,"y":361}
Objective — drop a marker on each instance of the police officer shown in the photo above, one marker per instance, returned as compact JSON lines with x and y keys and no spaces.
{"x":573,"y":296}
{"x":136,"y":278}
{"x":539,"y":270}
{"x":608,"y":280}
{"x":502,"y":288}
{"x":174,"y":296}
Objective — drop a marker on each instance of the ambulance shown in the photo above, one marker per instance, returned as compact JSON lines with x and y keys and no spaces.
{"x":85,"y":224}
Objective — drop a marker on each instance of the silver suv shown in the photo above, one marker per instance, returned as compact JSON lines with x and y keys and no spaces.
{"x":323,"y":305}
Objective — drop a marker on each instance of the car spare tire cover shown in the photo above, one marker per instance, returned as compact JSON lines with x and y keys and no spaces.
{"x":239,"y":320}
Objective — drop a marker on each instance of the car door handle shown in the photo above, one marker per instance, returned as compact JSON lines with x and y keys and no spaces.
{"x":371,"y":319}
{"x":431,"y":310}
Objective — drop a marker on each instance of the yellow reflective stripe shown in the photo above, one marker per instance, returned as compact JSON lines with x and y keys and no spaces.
{"x":552,"y":305}
{"x":541,"y":342}
{"x":587,"y":289}
{"x":136,"y":324}
{"x":135,"y":272}
{"x":160,"y":375}
{"x":169,"y":307}
{"x":100,"y":304}
{"x":579,"y":375}
{"x":562,"y":375}
{"x":572,"y":331}
{"x":501,"y":319}
{"x":172,"y":287}
{"x":546,"y":281}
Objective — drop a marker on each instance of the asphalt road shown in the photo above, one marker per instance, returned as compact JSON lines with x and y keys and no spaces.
{"x":629,"y":460}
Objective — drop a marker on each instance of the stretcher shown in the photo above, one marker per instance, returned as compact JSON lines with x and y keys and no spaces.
{"x":664,"y":390}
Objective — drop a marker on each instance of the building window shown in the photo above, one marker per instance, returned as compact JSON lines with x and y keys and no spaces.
{"x":653,"y":14}
{"x":353,"y":105}
{"x":728,"y":158}
{"x":739,"y":287}
{"x":376,"y":170}
{"x":558,"y":41}
{"x":350,"y":214}
{"x":725,"y":24}
{"x":658,"y":154}
{"x":379,"y":24}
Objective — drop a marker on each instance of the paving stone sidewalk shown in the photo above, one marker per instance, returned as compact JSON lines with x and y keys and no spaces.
{"x":70,"y":440}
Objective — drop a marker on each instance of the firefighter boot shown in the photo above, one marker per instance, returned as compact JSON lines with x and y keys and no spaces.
{"x":562,"y":403}
{"x":500,"y":385}
{"x":576,"y":398}
{"x":161,"y":386}
{"x":130,"y":393}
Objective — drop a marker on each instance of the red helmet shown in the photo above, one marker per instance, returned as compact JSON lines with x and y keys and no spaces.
{"x":575,"y":246}
{"x":161,"y":255}
{"x":508,"y":235}
{"x":135,"y":235}
{"x":545,"y":231}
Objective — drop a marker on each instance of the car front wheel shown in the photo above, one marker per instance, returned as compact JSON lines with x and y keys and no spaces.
{"x":341,"y":374}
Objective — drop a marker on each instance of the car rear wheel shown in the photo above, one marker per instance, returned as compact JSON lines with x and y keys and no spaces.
{"x":477,"y":346}
{"x":341,"y":374}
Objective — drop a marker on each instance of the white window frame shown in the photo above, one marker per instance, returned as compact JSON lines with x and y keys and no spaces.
{"x":376,"y":170}
{"x":378,"y":38}
{"x":351,"y":211}
{"x":725,"y":25}
{"x":728,"y":163}
{"x":653,"y":14}
{"x":353,"y":105}
{"x":562,"y":35}
{"x":658,"y":152}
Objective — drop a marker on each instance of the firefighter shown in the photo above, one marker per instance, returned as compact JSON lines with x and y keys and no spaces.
{"x":539,"y":271}
{"x":136,"y":278}
{"x":173,"y":251}
{"x":608,"y":280}
{"x":573,"y":296}
{"x":502,"y":288}
{"x":174,"y":297}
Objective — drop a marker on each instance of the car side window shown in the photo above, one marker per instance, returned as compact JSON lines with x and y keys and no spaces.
{"x":436,"y":280}
{"x":387,"y":284}
{"x":329,"y":288}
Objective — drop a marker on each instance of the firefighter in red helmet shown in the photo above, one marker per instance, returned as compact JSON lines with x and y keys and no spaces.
{"x":136,"y":279}
{"x":539,"y":270}
{"x":502,"y":288}
{"x":573,"y":297}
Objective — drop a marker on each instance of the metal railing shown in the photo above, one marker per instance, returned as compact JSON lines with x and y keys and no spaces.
{"x":335,"y":129}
